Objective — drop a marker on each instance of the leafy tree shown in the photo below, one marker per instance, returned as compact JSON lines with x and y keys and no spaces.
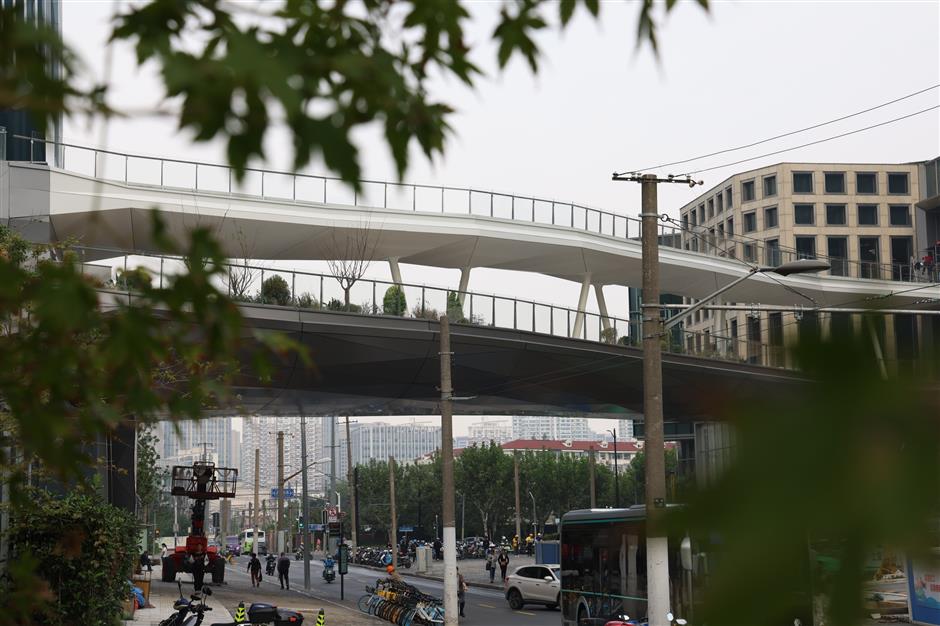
{"x":455,"y":308}
{"x":275,"y":290}
{"x":149,"y":476}
{"x":394,"y":302}
{"x":485,"y":476}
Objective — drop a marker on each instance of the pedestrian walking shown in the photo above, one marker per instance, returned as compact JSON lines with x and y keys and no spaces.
{"x":283,"y":570}
{"x":254,"y":568}
{"x":503,"y":564}
{"x":491,"y":564}
{"x":461,"y":592}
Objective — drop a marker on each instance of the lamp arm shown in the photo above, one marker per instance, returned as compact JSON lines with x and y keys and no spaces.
{"x":675,"y":319}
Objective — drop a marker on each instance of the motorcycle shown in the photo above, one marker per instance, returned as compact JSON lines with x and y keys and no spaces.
{"x":261,"y":613}
{"x":269,"y":566}
{"x":189,"y":612}
{"x":329,"y":571}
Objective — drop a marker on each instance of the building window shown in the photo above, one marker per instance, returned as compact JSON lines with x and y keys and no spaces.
{"x":897,"y":182}
{"x":685,"y":222}
{"x":770,"y":186}
{"x":900,"y":215}
{"x":720,"y":199}
{"x":750,"y":222}
{"x":868,"y":257}
{"x":838,"y":256}
{"x":711,"y":208}
{"x":802,"y":182}
{"x":806,"y":247}
{"x":701,"y":214}
{"x":835,"y":215}
{"x":835,"y":182}
{"x":772,"y":252}
{"x":804,"y":214}
{"x":770,"y":217}
{"x":728,"y":196}
{"x":868,"y":215}
{"x":866,"y":183}
{"x":747,"y":191}
{"x":692,"y":215}
{"x":721,"y":231}
{"x":750,"y":252}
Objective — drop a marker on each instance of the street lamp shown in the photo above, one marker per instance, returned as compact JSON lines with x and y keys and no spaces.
{"x":802,"y":266}
{"x":613,"y":433}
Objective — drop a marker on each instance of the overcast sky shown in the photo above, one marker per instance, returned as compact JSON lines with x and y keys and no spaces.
{"x":742,"y":72}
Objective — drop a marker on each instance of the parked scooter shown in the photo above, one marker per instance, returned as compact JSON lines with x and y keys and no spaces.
{"x":189,"y":612}
{"x":261,"y":613}
{"x":329,"y":569}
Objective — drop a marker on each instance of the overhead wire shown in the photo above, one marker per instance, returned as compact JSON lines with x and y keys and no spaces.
{"x":790,"y":133}
{"x":812,"y":143}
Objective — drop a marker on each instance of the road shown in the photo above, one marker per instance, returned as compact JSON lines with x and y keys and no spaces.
{"x":485,"y":607}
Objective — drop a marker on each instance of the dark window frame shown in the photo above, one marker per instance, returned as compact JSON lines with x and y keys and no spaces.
{"x":744,"y":184}
{"x":796,"y":245}
{"x":764,"y":180}
{"x":775,"y":213}
{"x":874,"y":192}
{"x":845,"y":216}
{"x":797,"y":206}
{"x":907,"y":209}
{"x":858,"y":214}
{"x":812,"y":183}
{"x":826,"y":176}
{"x":907,"y":184}
{"x":753,"y":216}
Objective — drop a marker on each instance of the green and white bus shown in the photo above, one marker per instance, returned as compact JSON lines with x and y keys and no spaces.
{"x":603,"y":567}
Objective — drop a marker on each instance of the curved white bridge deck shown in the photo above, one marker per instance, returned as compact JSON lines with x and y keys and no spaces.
{"x":498,"y":231}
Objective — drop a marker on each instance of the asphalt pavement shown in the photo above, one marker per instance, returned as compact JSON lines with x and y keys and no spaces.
{"x":485,"y":607}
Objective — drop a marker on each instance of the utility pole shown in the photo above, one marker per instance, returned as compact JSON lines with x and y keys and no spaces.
{"x":280,"y":490}
{"x":254,"y":533}
{"x":332,"y":493}
{"x":591,"y":464}
{"x":657,"y":553}
{"x":447,"y":471}
{"x":515,"y":475}
{"x":616,"y":464}
{"x":391,"y":495}
{"x":306,"y":503}
{"x":350,"y":478}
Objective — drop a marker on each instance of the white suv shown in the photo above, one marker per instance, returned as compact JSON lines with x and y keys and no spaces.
{"x":534,"y":584}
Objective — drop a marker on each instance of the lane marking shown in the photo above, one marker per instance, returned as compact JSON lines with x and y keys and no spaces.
{"x":489,"y":606}
{"x":526,"y":613}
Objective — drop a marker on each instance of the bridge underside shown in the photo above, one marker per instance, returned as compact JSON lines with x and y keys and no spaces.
{"x":389,"y":366}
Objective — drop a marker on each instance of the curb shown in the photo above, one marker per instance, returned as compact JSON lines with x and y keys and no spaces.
{"x":408,"y":572}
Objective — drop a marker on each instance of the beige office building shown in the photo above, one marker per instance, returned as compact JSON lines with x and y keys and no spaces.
{"x":861,"y":218}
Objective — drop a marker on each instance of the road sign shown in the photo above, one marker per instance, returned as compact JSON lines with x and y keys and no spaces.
{"x":343,"y":559}
{"x":288,"y":492}
{"x":332,"y":514}
{"x":406,"y":529}
{"x":314,"y":527}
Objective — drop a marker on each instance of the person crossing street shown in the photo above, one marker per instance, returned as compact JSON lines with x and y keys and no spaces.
{"x":283,"y":570}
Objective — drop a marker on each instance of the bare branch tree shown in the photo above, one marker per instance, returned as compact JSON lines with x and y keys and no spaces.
{"x":241,"y":272}
{"x":350,"y":256}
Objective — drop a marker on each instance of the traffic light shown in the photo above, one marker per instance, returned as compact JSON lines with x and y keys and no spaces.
{"x":215,"y":519}
{"x":300,"y":522}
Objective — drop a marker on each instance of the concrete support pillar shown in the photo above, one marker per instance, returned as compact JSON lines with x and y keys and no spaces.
{"x":582,"y":303}
{"x":602,"y":305}
{"x":396,"y":271}
{"x":464,"y":283}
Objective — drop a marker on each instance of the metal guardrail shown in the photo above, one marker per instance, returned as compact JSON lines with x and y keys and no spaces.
{"x":323,"y":292}
{"x":185,"y":175}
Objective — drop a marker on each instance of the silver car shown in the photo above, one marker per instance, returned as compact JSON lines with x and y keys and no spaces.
{"x":534,"y":584}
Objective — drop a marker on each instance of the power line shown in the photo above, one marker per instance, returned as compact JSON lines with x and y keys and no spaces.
{"x":788,"y":134}
{"x":813,"y":143}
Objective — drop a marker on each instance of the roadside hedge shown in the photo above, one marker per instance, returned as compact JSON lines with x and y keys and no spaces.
{"x":82,"y":551}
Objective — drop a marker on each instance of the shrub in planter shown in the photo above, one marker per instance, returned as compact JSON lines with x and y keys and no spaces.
{"x":338,"y":305}
{"x":394,"y":302}
{"x":81,"y":552}
{"x":275,"y":290}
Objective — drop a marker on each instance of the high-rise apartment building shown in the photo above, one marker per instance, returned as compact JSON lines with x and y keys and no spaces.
{"x":551,"y":427}
{"x":261,"y":433}
{"x":214,"y":435}
{"x":866,"y":220}
{"x":407,"y":442}
{"x":485,"y":431}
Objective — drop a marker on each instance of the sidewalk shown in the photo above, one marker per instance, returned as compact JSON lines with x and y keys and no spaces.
{"x":162,"y":597}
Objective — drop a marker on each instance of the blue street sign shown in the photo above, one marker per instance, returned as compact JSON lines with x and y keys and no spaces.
{"x":288,"y":492}
{"x":406,"y":529}
{"x":313,"y":527}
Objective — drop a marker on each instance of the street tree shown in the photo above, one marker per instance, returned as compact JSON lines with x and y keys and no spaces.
{"x":349,"y":256}
{"x":484,"y":474}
